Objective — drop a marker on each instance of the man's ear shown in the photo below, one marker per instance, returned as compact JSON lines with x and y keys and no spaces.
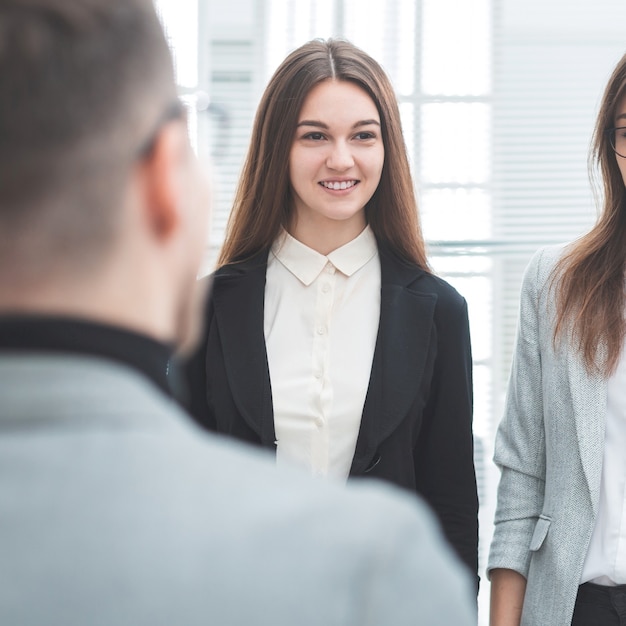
{"x":161,"y":174}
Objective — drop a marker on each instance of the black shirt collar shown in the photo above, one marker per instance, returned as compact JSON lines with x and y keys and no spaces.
{"x":32,"y":333}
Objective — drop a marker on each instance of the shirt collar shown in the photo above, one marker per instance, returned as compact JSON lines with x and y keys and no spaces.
{"x":306,"y":264}
{"x":36,"y":334}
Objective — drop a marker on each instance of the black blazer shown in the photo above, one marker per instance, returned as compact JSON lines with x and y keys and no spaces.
{"x":416,"y":427}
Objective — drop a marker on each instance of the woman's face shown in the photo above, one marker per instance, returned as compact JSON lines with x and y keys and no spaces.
{"x":336,"y":158}
{"x":620,"y":122}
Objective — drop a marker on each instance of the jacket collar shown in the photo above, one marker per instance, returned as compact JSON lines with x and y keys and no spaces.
{"x":238,"y":300}
{"x":400,"y":355}
{"x":589,"y":393}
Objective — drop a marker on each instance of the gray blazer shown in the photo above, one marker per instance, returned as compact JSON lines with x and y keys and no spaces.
{"x":549,"y":448}
{"x":115,"y":511}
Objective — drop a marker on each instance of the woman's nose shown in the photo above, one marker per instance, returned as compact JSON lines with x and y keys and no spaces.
{"x":340,"y":157}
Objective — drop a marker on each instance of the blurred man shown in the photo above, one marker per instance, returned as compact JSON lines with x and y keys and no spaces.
{"x":114,"y":510}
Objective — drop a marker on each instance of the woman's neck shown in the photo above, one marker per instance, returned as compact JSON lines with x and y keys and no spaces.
{"x":325,"y":238}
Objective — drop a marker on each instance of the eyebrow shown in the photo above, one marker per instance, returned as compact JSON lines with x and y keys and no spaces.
{"x":621,"y":116}
{"x":318,"y":124}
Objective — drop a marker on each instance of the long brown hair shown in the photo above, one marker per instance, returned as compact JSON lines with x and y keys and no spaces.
{"x":589,"y":278}
{"x":263,"y":202}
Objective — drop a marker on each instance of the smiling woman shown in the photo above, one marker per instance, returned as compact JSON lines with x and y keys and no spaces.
{"x":335,"y":165}
{"x":328,"y":339}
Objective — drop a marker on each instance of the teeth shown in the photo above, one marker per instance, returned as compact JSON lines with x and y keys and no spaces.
{"x":337,"y":186}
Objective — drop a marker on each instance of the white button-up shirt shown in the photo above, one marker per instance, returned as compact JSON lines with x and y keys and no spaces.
{"x":320,"y":322}
{"x":606,"y":558}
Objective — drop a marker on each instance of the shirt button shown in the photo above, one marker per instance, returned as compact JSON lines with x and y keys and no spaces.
{"x":325,"y":288}
{"x":319,"y":422}
{"x":321,"y":330}
{"x":318,"y":374}
{"x":330,"y":269}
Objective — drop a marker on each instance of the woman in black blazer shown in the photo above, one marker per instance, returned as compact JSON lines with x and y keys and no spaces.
{"x":326,"y":180}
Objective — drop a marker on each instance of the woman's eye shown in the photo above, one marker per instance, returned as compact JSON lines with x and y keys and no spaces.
{"x":365,"y":135}
{"x":314,"y":136}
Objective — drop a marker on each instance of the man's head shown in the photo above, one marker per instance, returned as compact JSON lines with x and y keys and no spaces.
{"x":99,"y":188}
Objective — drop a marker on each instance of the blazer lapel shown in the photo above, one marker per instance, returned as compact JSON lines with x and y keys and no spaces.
{"x":402,"y":346}
{"x":589,"y":407}
{"x":238,"y":297}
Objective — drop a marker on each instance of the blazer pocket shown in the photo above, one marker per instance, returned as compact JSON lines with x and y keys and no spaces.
{"x":541,"y":530}
{"x":373,"y":464}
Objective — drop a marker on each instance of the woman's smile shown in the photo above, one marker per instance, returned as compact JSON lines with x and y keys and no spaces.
{"x":338,"y":185}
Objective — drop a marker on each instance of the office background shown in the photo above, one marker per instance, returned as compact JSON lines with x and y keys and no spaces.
{"x":498,"y":101}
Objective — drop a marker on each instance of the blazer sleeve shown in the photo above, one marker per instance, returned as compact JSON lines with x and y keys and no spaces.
{"x":520,"y":442}
{"x":195,"y":392}
{"x":444,"y":452}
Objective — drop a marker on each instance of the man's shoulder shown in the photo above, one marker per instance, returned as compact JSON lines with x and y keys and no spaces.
{"x":72,"y":390}
{"x":210,"y":526}
{"x":365,"y":548}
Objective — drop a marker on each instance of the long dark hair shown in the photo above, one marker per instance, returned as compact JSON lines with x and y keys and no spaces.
{"x":589,"y":278}
{"x":263,"y":202}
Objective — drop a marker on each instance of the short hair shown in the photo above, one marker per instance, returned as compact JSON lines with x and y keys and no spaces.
{"x":81,"y":85}
{"x":263,"y":202}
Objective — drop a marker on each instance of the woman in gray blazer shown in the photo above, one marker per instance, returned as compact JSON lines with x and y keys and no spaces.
{"x":558,"y":555}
